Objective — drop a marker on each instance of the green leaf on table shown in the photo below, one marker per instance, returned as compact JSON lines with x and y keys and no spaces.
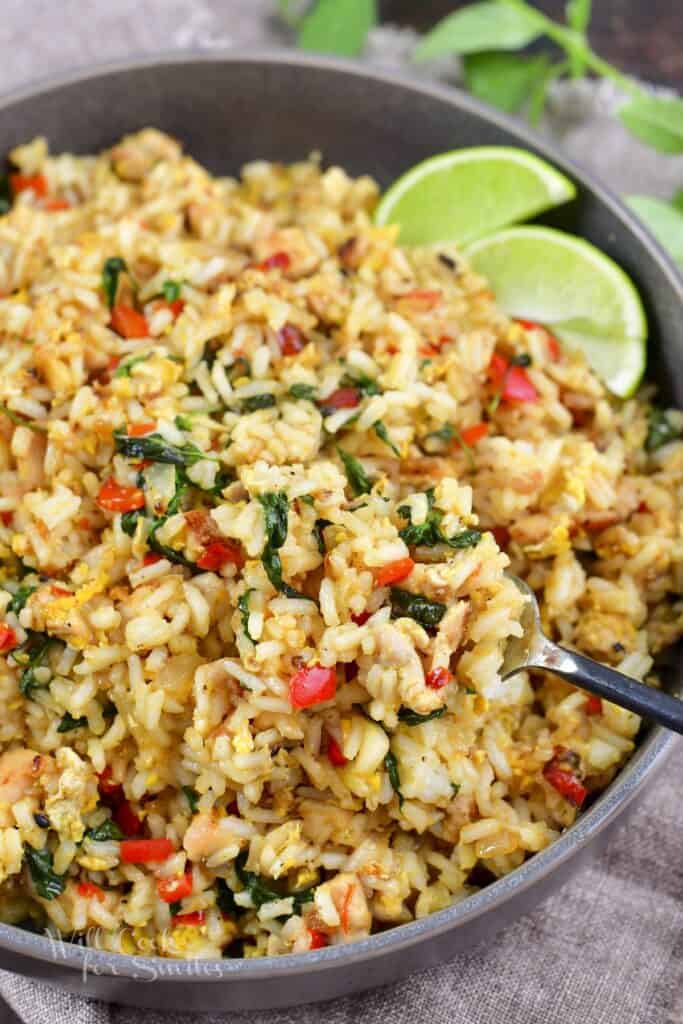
{"x":338,"y":26}
{"x":655,"y":121}
{"x":490,"y":25}
{"x":664,"y":220}
{"x":504,"y":80}
{"x":578,"y":14}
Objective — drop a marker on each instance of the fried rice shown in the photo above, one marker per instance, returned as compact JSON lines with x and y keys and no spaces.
{"x":262,"y":472}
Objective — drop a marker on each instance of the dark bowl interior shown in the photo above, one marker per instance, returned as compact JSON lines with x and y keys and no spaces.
{"x":228,"y":110}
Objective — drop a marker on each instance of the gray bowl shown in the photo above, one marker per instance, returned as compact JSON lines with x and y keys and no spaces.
{"x":228,"y":110}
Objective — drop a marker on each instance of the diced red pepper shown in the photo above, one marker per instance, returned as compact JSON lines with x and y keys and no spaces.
{"x":361,"y":618}
{"x":554,"y":347}
{"x":127,"y":322}
{"x":6,"y":518}
{"x":342,"y":398}
{"x":318,"y":938}
{"x":530,"y":325}
{"x":593,"y":705}
{"x":501,"y":535}
{"x":8,"y":638}
{"x":89,"y":889}
{"x":113,"y":363}
{"x":175,"y":307}
{"x":438,"y":678}
{"x":116,"y":497}
{"x":511,"y":382}
{"x":278,"y":261}
{"x":422,"y":299}
{"x":219,"y":553}
{"x":59,"y":591}
{"x":145,"y":851}
{"x":127,"y":820}
{"x":394,"y":572}
{"x":151,"y":558}
{"x":196,"y":918}
{"x":566,"y":784}
{"x":55,"y":205}
{"x":36,"y":183}
{"x":106,"y":786}
{"x":335,"y":753}
{"x":312,"y":685}
{"x":172,"y":889}
{"x":291,"y":340}
{"x":140,"y":428}
{"x":472,"y":435}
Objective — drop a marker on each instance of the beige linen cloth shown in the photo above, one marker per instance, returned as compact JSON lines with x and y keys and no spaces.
{"x":608,"y":947}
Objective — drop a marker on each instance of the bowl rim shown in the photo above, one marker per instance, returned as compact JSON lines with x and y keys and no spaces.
{"x":652,"y":752}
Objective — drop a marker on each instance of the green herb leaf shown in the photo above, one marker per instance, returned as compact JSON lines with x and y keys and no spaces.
{"x":655,"y":121}
{"x":318,"y":528}
{"x":415,"y":606}
{"x":48,"y":884}
{"x":171,"y":290}
{"x":243,"y":605}
{"x":491,"y":25}
{"x":276,"y":514}
{"x":258,"y":888}
{"x":111,"y":272}
{"x":256,"y":402}
{"x":409,"y":717}
{"x":225,"y":899}
{"x":504,"y":80}
{"x":192,"y":797}
{"x":183,"y":422}
{"x":391,"y":766}
{"x":367,"y":386}
{"x":154,"y":448}
{"x":383,"y":435}
{"x":107,"y":832}
{"x":21,"y":596}
{"x":68,"y":723}
{"x":123,"y":369}
{"x":429,"y":533}
{"x":22,"y":421}
{"x":32,"y":655}
{"x":338,"y":26}
{"x":358,"y":479}
{"x":664,"y":220}
{"x":302,"y":392}
{"x":436,"y":440}
{"x":129,"y":521}
{"x":175,"y":907}
{"x":455,"y":786}
{"x":661,"y":431}
{"x":464,"y":539}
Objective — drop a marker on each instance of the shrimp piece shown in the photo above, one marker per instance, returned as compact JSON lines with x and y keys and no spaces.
{"x":207,"y":836}
{"x":19,"y":770}
{"x":342,"y":907}
{"x":136,"y":154}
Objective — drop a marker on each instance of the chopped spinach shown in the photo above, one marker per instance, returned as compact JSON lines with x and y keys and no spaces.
{"x":262,"y":892}
{"x":660,"y":431}
{"x":225,"y":900}
{"x":129,"y":521}
{"x":391,"y":766}
{"x":175,"y":907}
{"x":21,"y":596}
{"x":123,"y":369}
{"x":464,"y":539}
{"x":68,"y":723}
{"x":276,"y":515}
{"x":359,"y":481}
{"x":243,"y":605}
{"x":383,"y":435}
{"x":154,"y":448}
{"x":111,"y":272}
{"x":192,"y":797}
{"x":318,"y":534}
{"x":415,"y":606}
{"x":48,"y":884}
{"x":33,"y":655}
{"x":410,"y":717}
{"x":366,"y":385}
{"x":172,"y":554}
{"x":429,"y":533}
{"x":107,"y":832}
{"x":256,"y":402}
{"x":302,"y":392}
{"x":171,"y":290}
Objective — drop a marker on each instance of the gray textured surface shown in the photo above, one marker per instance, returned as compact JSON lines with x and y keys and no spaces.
{"x":609,"y":947}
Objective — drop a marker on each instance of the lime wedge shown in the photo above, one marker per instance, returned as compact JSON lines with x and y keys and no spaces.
{"x":570,"y":286}
{"x":468,"y":193}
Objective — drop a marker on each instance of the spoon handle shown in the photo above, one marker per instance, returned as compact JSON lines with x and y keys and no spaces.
{"x":608,"y":683}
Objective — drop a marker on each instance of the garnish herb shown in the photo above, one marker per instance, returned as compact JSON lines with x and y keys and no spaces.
{"x":261,"y":892}
{"x":192,"y":797}
{"x":129,"y":521}
{"x":455,"y":786}
{"x":106,"y":832}
{"x":111,"y":272}
{"x":123,"y":370}
{"x":48,"y":884}
{"x":367,"y":386}
{"x":171,"y":290}
{"x":415,"y":606}
{"x":153,"y":448}
{"x":256,"y":402}
{"x":243,"y":605}
{"x":304,"y":392}
{"x":391,"y":765}
{"x":429,"y":534}
{"x":413,"y":718}
{"x":33,"y":655}
{"x":359,"y":481}
{"x":21,"y":596}
{"x":225,"y":899}
{"x":383,"y":435}
{"x":21,"y":421}
{"x":175,"y":907}
{"x":443,"y":437}
{"x":661,"y":430}
{"x":183,"y":422}
{"x":68,"y":723}
{"x":276,"y":513}
{"x":318,"y":528}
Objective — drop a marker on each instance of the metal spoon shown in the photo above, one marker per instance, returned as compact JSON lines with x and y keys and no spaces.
{"x":534,"y":650}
